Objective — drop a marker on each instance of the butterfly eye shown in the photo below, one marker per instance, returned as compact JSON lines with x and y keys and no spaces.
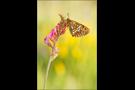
{"x":67,"y":20}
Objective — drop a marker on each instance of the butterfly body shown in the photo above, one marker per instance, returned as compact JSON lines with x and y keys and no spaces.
{"x":76,"y":29}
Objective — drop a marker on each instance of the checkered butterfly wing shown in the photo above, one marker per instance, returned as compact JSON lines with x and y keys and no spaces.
{"x":76,"y":29}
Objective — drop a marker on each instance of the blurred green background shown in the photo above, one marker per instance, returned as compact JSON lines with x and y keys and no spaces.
{"x":76,"y":64}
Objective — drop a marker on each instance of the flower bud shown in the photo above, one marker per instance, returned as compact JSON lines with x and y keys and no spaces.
{"x":46,"y":40}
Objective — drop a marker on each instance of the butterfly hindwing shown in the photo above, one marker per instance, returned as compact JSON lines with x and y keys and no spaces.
{"x":76,"y":29}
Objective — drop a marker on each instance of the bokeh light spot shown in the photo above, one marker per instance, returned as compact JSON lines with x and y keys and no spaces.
{"x":59,"y":67}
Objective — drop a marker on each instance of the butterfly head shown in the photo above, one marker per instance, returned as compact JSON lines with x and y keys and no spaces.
{"x":68,"y":20}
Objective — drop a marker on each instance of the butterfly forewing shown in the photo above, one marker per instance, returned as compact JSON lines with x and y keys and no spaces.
{"x":76,"y":29}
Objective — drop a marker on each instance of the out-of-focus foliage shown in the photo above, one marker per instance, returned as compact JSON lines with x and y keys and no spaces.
{"x":76,"y":64}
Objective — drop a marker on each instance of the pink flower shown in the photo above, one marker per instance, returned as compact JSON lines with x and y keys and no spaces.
{"x":46,"y":40}
{"x":55,"y":31}
{"x":51,"y":34}
{"x":54,"y":34}
{"x":58,"y":26}
{"x":62,"y":32}
{"x":65,"y":26}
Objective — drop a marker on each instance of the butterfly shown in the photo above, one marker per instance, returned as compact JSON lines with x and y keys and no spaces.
{"x":76,"y":29}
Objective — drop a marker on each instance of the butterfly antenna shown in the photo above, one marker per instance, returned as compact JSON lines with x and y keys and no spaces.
{"x":68,"y":15}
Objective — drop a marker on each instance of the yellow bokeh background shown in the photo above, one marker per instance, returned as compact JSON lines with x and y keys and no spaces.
{"x":76,"y":64}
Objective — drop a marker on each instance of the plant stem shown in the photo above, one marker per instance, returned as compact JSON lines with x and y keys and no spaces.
{"x":47,"y":72}
{"x":49,"y":63}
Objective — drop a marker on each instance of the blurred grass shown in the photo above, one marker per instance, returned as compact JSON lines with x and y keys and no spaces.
{"x":76,"y":64}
